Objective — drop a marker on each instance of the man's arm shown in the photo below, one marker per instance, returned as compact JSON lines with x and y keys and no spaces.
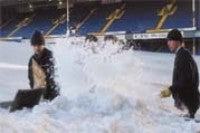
{"x":52,"y":88}
{"x":50,"y":72}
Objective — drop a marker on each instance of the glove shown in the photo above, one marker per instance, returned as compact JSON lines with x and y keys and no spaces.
{"x":165,"y":93}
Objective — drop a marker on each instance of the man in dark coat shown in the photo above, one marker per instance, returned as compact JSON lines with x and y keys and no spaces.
{"x":185,"y":83}
{"x":41,"y":68}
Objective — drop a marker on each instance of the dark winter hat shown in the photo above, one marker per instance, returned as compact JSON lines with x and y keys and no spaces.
{"x":175,"y":35}
{"x":37,"y":38}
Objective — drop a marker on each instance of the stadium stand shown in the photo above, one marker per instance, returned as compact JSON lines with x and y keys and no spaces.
{"x":182,"y":18}
{"x":75,"y":18}
{"x":198,"y":14}
{"x":42,"y":20}
{"x":5,"y":30}
{"x":136,"y":19}
{"x":99,"y":18}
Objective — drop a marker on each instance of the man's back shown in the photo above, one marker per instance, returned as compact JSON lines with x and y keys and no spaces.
{"x":185,"y":73}
{"x":185,"y":82}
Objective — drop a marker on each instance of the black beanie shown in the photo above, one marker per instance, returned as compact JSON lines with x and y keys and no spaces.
{"x":37,"y":38}
{"x":175,"y":35}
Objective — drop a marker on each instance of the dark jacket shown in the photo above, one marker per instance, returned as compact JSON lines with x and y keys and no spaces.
{"x":185,"y":80}
{"x":46,"y":62}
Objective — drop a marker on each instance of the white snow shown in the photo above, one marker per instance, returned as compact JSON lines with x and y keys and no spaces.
{"x":103,"y":90}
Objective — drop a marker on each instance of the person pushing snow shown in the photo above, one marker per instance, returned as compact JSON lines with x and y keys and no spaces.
{"x":41,"y":68}
{"x":185,"y":83}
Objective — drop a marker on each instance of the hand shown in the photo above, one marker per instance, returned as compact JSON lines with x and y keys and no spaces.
{"x":165,"y":93}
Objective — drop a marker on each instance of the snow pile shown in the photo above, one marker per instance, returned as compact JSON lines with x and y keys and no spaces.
{"x":104,"y":90}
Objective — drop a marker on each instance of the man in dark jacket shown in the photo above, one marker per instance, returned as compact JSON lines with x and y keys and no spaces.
{"x":185,"y":81}
{"x":41,"y":68}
